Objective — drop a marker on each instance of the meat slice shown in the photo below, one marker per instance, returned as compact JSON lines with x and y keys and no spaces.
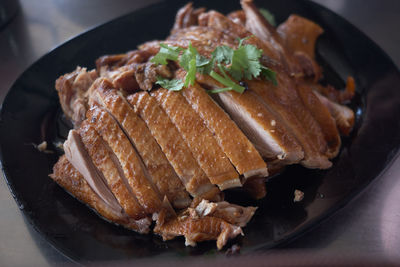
{"x":233,"y":142}
{"x":161,"y":172}
{"x":173,"y":146}
{"x":263,"y":129}
{"x":76,"y":153}
{"x":106,"y":162}
{"x":71,"y":180}
{"x":267,"y":133}
{"x":72,"y":91}
{"x":344,"y":116}
{"x":133,"y":168}
{"x":312,"y":155}
{"x":198,"y":229}
{"x":198,"y":138}
{"x":323,"y":117}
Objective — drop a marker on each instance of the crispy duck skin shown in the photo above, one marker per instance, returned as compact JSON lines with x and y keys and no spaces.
{"x":322,"y":115}
{"x":133,"y":168}
{"x":71,"y":180}
{"x":260,"y":27}
{"x":263,"y":129}
{"x":198,"y":229}
{"x":265,"y":91}
{"x":102,"y":157}
{"x":233,"y":142}
{"x":173,"y":146}
{"x":161,"y":172}
{"x":288,"y":95}
{"x":198,"y":138}
{"x":72,"y":91}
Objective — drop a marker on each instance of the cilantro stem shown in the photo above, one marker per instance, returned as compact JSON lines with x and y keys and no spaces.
{"x":227,"y":82}
{"x":219,"y":90}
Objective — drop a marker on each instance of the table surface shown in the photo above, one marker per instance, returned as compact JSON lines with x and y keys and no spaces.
{"x":367,"y":227}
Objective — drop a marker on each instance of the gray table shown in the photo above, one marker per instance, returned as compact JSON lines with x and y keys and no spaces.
{"x":368,"y":227}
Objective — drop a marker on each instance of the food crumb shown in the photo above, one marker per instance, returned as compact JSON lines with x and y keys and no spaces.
{"x":298,"y":195}
{"x":42,"y":147}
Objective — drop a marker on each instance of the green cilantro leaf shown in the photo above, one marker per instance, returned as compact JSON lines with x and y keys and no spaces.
{"x":269,"y":75}
{"x":219,"y":90}
{"x":245,"y":62}
{"x":188,"y":61}
{"x":191,"y":74}
{"x":204,"y":65}
{"x":166,"y":53}
{"x":268,"y":16}
{"x":223,"y":54}
{"x":173,"y":85}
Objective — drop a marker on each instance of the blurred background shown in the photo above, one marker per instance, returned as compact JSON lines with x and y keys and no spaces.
{"x":368,"y":227}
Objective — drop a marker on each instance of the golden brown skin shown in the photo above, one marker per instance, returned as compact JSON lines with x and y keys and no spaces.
{"x":265,"y":90}
{"x":273,"y":140}
{"x":101,"y":155}
{"x":322,"y":115}
{"x":173,"y":146}
{"x":146,"y":193}
{"x":233,"y":142}
{"x":161,"y":172}
{"x":198,"y":138}
{"x":72,"y":181}
{"x":260,"y":27}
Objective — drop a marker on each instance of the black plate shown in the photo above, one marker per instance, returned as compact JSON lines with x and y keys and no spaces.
{"x":30,"y":114}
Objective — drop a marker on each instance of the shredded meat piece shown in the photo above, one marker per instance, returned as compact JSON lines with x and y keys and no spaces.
{"x":146,"y":74}
{"x":231,"y":213}
{"x":198,"y":229}
{"x":72,"y":91}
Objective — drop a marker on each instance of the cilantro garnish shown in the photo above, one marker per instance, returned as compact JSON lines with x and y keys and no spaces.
{"x":173,"y":85}
{"x":240,"y":63}
{"x":166,"y":53}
